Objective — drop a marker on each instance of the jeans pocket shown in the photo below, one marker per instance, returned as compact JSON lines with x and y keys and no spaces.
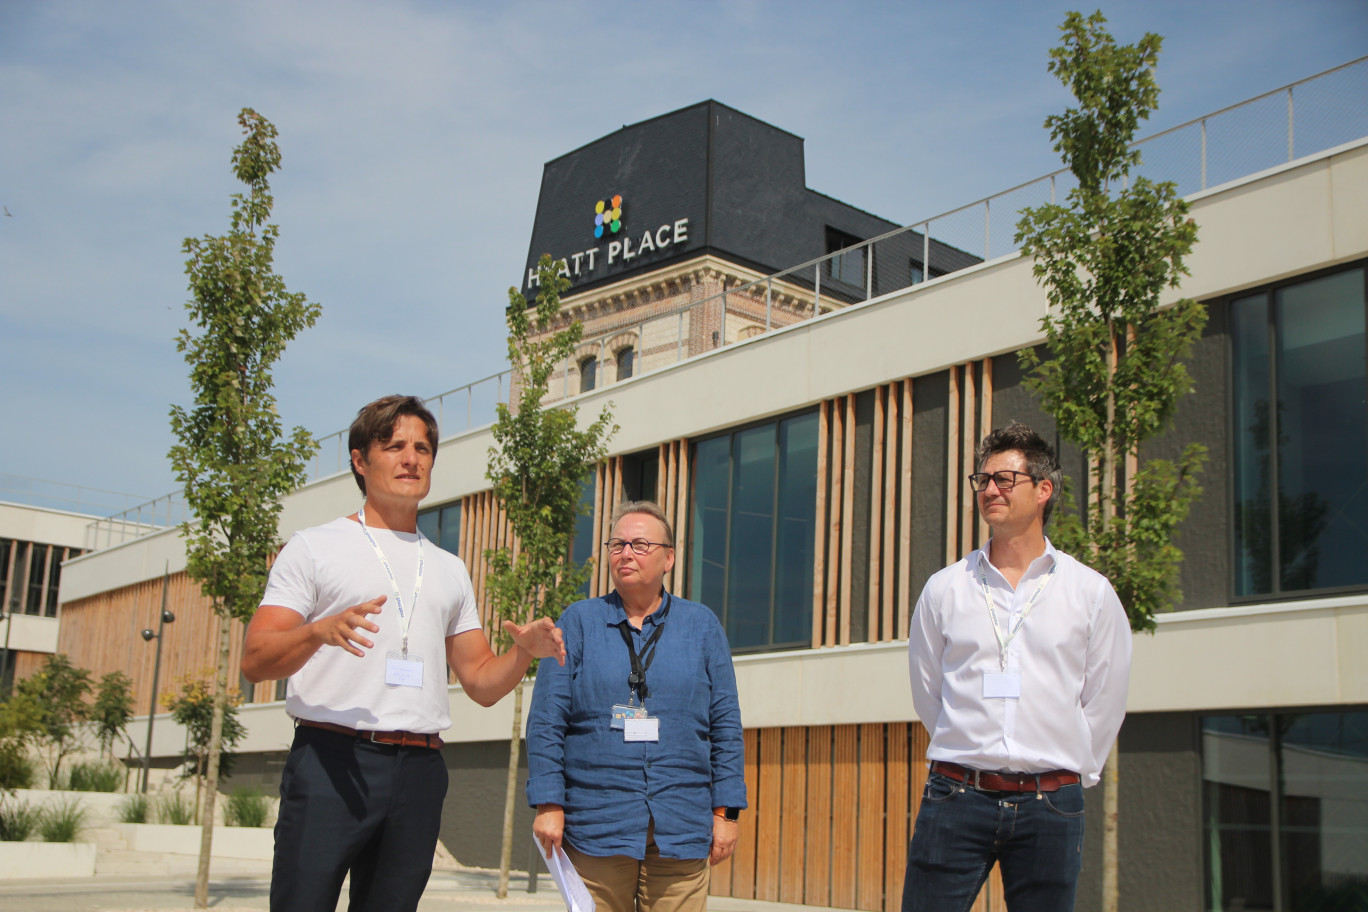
{"x":1067,"y":802}
{"x":939,"y":788}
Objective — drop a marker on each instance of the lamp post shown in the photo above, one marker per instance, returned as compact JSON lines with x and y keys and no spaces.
{"x":166,"y":618}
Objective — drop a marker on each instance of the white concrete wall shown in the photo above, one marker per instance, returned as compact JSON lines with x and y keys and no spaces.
{"x":38,"y":524}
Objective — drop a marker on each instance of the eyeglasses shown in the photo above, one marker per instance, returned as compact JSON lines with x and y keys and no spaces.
{"x":1005,"y":480}
{"x":639,"y":545}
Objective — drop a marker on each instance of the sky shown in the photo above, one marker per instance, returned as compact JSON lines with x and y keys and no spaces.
{"x":413,"y":135}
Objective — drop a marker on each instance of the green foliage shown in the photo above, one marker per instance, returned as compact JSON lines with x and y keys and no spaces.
{"x":538,"y":461}
{"x":133,"y":809}
{"x":112,"y":710}
{"x":174,"y":808}
{"x":62,"y":821}
{"x":16,"y":766}
{"x":230,"y":456}
{"x":247,"y":807}
{"x":1114,"y":373}
{"x":20,"y":723}
{"x":193,"y":707}
{"x":95,"y":777}
{"x":18,"y":820}
{"x":54,"y":699}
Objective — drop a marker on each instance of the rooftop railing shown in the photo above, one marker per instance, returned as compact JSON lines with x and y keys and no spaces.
{"x":1300,"y":119}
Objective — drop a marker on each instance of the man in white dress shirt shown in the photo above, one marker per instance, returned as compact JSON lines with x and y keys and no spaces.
{"x":1020,"y":658}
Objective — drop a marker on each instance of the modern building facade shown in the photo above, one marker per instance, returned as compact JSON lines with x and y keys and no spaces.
{"x":34,"y":543}
{"x":814,"y":464}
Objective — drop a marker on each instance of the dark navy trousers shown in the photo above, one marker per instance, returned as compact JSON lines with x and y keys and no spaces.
{"x":347,"y":805}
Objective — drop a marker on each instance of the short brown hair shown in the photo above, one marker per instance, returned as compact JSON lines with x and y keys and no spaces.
{"x":1040,"y":457}
{"x":651,"y":509}
{"x":376,"y":421}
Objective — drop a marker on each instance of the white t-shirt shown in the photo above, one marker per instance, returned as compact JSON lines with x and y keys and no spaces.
{"x":327,"y":569}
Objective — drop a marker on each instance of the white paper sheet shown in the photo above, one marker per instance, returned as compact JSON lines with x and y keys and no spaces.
{"x":568,"y":882}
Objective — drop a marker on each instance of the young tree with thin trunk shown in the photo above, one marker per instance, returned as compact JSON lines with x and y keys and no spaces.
{"x":232,"y":458}
{"x":537,"y":465}
{"x":1114,"y":371}
{"x":112,"y":710}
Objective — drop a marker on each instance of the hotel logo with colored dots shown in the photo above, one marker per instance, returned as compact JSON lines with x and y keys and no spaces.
{"x":608,"y":216}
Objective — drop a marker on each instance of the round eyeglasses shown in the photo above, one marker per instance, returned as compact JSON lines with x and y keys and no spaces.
{"x":638,"y":545}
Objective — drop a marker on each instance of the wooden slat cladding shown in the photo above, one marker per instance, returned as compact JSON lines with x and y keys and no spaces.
{"x":672,"y":493}
{"x":831,"y":808}
{"x":886,"y":607}
{"x":970,"y":418}
{"x":102,"y":633}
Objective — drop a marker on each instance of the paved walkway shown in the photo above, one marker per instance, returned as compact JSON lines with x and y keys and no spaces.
{"x":466,"y":890}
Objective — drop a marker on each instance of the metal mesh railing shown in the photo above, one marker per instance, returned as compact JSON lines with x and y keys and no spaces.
{"x":1306,"y":117}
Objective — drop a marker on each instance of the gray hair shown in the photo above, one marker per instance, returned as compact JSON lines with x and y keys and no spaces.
{"x":648,"y":507}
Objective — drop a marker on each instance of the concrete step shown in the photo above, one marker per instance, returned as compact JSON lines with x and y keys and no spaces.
{"x":154,"y":864}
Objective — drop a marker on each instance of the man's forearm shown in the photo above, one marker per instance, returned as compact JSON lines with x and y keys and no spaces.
{"x":497,"y":676}
{"x":272,"y":655}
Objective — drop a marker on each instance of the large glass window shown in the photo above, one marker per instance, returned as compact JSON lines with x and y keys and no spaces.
{"x":626,"y":361}
{"x":583,"y":546}
{"x":753,"y":524}
{"x":1300,"y":455}
{"x":442,"y":526}
{"x":1286,"y":808}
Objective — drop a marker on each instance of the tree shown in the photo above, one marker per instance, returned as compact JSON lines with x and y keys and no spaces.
{"x":232,"y":458}
{"x":58,"y":692}
{"x":536,"y":466}
{"x":20,"y":725}
{"x":112,"y":710}
{"x":1114,"y":371}
{"x":193,"y":708}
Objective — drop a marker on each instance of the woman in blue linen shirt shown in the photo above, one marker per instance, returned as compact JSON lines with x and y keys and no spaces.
{"x":641,"y":801}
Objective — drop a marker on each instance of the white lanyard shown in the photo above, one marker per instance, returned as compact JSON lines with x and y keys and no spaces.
{"x":404,"y":619}
{"x":1005,"y":641}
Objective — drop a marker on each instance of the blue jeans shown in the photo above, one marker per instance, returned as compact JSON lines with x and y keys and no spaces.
{"x":1037,"y":839}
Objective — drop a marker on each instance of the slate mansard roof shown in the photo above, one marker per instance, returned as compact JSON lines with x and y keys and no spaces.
{"x":706,"y":179}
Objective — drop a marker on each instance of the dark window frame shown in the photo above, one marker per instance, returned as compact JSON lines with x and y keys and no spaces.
{"x":775,"y":571}
{"x":1234,"y":439}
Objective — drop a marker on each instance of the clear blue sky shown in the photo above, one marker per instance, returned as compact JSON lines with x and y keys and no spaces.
{"x":414,"y":135}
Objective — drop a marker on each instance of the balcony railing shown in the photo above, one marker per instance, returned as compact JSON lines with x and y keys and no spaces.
{"x":1304,"y":118}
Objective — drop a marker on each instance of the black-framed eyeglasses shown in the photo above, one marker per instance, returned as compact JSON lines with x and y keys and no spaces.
{"x":1005,"y":480}
{"x":639,"y":545}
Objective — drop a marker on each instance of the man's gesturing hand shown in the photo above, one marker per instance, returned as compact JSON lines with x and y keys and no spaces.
{"x":541,"y":638}
{"x":343,"y":629}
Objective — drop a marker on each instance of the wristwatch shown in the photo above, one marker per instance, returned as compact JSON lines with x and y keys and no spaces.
{"x":732,"y":814}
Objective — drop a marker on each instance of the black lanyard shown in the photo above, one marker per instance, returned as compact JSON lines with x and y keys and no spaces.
{"x":637,"y":679}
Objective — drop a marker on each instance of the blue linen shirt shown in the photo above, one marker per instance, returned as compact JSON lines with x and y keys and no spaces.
{"x":612,"y":789}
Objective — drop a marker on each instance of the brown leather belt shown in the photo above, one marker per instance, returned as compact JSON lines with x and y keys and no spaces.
{"x":400,"y":738}
{"x":1006,"y":782}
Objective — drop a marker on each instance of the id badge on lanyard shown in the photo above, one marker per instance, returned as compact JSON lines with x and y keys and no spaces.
{"x":401,"y":668}
{"x":1005,"y":684}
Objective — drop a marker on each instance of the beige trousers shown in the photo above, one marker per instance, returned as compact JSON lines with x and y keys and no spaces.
{"x":620,"y":883}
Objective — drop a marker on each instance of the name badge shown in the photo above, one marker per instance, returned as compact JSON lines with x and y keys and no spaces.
{"x":402,"y":672}
{"x":1002,"y":685}
{"x":622,"y":712}
{"x":641,"y":729}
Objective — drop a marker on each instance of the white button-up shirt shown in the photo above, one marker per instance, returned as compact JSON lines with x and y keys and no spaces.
{"x":1072,"y":653}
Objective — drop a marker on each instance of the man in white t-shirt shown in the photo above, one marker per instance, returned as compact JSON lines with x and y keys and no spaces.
{"x":1020,"y":658}
{"x":363,"y":615}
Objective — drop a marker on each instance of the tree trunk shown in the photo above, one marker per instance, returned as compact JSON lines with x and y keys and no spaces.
{"x":514,"y":746}
{"x":212,"y":774}
{"x":1111,"y":788}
